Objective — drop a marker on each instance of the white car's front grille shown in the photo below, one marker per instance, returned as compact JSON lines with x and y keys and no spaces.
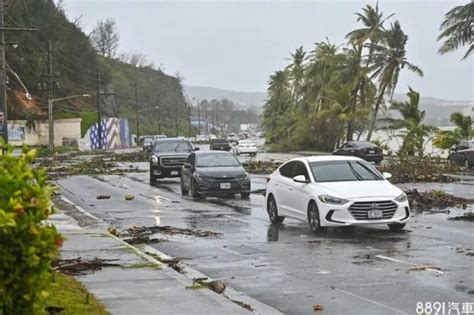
{"x":360,"y":210}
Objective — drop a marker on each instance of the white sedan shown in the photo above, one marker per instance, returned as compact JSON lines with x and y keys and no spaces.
{"x":335,"y":191}
{"x":245,"y":147}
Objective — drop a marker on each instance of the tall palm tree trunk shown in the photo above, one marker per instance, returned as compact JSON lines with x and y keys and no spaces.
{"x":376,"y":110}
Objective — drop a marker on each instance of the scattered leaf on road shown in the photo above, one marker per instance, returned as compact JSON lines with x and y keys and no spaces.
{"x":129,"y":197}
{"x":318,"y":307}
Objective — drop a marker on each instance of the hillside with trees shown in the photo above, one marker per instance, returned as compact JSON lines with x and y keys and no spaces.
{"x":76,"y":56}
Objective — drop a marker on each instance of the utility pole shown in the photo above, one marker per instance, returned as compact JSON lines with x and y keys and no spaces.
{"x":50,"y":97}
{"x":99,"y":109}
{"x":3,"y":72}
{"x":189,"y":120}
{"x":159,"y":115}
{"x":3,"y":78}
{"x":199,"y":120}
{"x":137,"y":118}
{"x":176,"y":115}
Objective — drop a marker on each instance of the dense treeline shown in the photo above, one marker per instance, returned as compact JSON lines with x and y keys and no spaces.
{"x":335,"y":93}
{"x":332,"y":93}
{"x":75,"y":68}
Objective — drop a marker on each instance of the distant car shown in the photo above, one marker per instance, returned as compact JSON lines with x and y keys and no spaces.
{"x":201,"y":138}
{"x":212,"y":137}
{"x":214,"y":173}
{"x":232,"y":137}
{"x":147,"y":144}
{"x":335,"y":191}
{"x":362,"y":149}
{"x":157,"y":137}
{"x":220,"y":144}
{"x":168,"y":157}
{"x":463,"y":154}
{"x":245,"y":147}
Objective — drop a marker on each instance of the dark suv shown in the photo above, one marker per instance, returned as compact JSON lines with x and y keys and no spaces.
{"x":463,"y":154}
{"x":362,"y":149}
{"x":220,"y":144}
{"x":168,"y":157}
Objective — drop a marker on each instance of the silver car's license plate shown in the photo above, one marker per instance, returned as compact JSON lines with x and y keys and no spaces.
{"x":375,"y":214}
{"x":371,"y":151}
{"x":174,"y":173}
{"x":225,"y":185}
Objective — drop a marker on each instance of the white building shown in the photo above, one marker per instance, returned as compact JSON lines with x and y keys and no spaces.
{"x":469,"y":111}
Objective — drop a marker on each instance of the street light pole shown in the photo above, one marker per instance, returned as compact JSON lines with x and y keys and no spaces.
{"x":50,"y":98}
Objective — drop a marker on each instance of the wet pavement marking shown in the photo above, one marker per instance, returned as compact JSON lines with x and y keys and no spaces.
{"x":370,"y":301}
{"x":237,"y":219}
{"x":80,"y":209}
{"x":407,"y":263}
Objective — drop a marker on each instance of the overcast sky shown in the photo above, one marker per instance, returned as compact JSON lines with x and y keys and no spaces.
{"x":236,"y":45}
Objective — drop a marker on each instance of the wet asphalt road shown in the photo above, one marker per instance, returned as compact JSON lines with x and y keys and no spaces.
{"x":349,"y":271}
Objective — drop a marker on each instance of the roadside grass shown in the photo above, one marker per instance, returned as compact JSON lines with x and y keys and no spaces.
{"x":70,"y":294}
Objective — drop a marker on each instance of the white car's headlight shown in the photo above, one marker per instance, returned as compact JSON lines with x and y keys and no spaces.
{"x":332,"y":200}
{"x":154,"y":159}
{"x":402,"y":198}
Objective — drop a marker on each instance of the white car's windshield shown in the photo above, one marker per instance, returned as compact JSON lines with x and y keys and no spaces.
{"x":216,"y":160}
{"x":341,"y":171}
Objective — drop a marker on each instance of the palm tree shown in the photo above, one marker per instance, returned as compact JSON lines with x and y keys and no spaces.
{"x":457,"y":29}
{"x":297,"y":71}
{"x":445,"y":139}
{"x":413,"y":129}
{"x":373,"y":32}
{"x":276,"y":106}
{"x":387,"y":62}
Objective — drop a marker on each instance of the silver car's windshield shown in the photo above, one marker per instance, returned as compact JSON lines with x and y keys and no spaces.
{"x":216,"y":160}
{"x":342,"y":171}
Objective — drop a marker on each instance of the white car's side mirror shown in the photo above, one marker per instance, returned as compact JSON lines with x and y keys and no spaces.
{"x":300,"y":179}
{"x":387,"y":175}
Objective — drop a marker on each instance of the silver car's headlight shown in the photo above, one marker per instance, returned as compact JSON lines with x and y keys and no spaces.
{"x":243,"y":176}
{"x":201,"y":178}
{"x":332,"y":200}
{"x":402,"y":198}
{"x":154,"y":159}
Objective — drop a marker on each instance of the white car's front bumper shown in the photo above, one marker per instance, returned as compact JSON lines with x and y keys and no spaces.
{"x":356,"y":213}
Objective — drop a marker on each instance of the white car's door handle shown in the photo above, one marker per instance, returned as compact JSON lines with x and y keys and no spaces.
{"x":289,"y":188}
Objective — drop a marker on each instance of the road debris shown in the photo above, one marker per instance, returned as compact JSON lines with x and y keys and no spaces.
{"x":424,"y":267}
{"x":149,"y":230}
{"x":413,"y":170}
{"x":262,"y":167}
{"x":468,"y":216}
{"x":100,"y":197}
{"x":78,"y":266}
{"x":438,"y":199}
{"x":244,"y":305}
{"x":318,"y":307}
{"x":217,"y":286}
{"x":129,"y":197}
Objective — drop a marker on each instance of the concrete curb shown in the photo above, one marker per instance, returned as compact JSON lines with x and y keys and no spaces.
{"x":189,"y":273}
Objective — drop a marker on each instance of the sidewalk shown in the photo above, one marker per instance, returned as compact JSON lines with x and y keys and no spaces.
{"x":140,"y":286}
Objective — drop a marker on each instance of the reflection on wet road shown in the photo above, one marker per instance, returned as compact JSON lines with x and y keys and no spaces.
{"x":348,"y":270}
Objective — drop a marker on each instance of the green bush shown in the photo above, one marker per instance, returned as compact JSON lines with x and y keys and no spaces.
{"x":27,"y":243}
